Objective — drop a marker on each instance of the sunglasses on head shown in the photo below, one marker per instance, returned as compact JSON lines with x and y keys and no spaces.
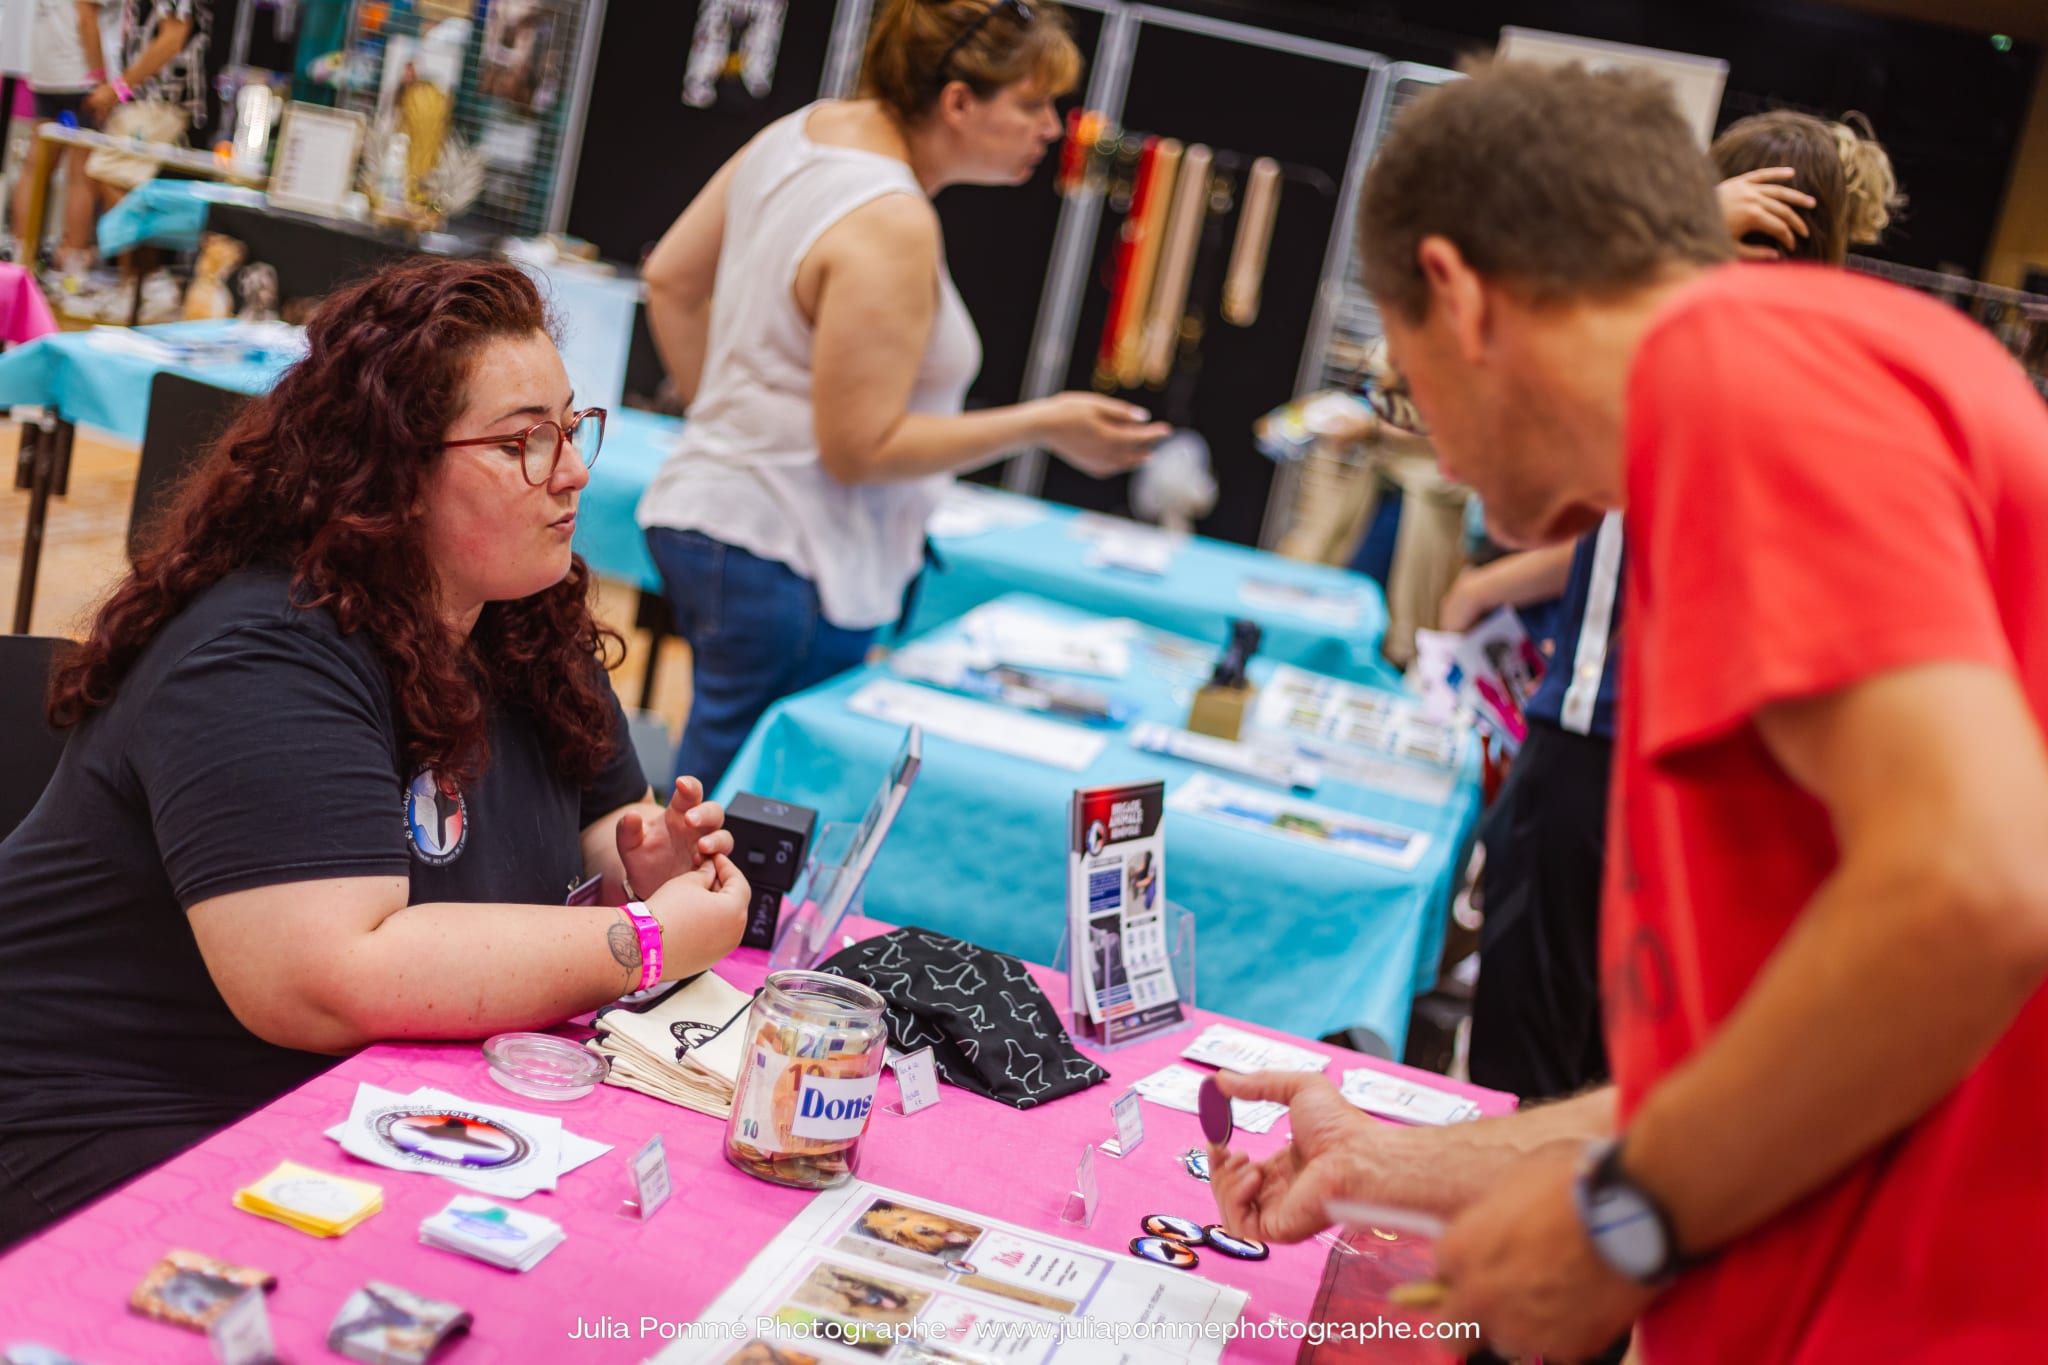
{"x":1021,"y":8}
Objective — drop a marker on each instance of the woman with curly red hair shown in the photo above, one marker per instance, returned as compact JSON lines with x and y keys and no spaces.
{"x":342,"y":744}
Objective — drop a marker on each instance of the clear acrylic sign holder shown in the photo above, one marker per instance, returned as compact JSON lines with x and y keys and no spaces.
{"x":814,"y":911}
{"x":1180,"y":960}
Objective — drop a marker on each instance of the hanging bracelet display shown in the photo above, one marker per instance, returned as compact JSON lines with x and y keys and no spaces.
{"x":1245,"y":279}
{"x":1150,"y":218}
{"x":1176,"y":267}
{"x":1126,"y":259}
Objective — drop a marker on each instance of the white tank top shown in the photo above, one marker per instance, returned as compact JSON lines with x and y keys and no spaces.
{"x":745,"y":470}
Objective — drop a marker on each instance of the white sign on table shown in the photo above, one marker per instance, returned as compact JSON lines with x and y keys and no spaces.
{"x":1130,"y":1125}
{"x":917,"y":1077}
{"x":1080,"y":1206}
{"x":650,"y":1176}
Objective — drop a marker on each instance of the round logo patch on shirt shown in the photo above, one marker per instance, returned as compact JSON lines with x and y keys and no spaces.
{"x":436,"y":819}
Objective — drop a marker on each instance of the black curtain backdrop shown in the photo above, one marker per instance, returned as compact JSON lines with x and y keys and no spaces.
{"x":1947,"y":103}
{"x":646,"y":153}
{"x":1210,"y":90}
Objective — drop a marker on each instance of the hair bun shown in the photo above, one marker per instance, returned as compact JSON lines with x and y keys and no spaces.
{"x":1873,"y":187}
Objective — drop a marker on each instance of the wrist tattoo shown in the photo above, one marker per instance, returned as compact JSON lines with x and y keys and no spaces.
{"x":624,"y":941}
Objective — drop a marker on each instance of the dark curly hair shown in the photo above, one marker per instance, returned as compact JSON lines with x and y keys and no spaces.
{"x":323,"y":476}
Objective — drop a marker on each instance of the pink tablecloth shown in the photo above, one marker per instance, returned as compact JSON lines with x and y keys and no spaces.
{"x":68,"y":1288}
{"x":24,"y":312}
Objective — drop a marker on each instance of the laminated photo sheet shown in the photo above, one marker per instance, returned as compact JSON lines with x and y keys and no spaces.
{"x":982,"y":724}
{"x":1326,"y":715}
{"x":1013,"y":633}
{"x":867,"y":1274}
{"x":1133,"y":546}
{"x":1426,"y":783}
{"x":1118,"y":956}
{"x":969,"y":509}
{"x":1337,"y":607}
{"x":1324,"y":827}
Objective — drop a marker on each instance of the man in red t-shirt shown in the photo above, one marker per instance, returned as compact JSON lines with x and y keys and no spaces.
{"x":1826,"y":916}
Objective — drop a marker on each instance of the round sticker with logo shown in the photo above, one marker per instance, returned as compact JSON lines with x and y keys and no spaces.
{"x":436,"y":819}
{"x":447,"y":1138}
{"x":1173,"y":1229}
{"x":1244,"y":1248}
{"x":1165,"y":1251}
{"x":1098,"y":837}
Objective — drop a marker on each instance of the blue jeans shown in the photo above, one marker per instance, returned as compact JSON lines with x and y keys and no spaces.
{"x":755,"y":636}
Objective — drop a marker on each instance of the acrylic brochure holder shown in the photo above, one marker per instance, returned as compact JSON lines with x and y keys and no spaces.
{"x":831,"y":886}
{"x":1180,"y":957}
{"x":813,"y":913}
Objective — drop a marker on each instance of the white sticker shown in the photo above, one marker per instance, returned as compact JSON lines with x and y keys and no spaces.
{"x":832,"y":1109}
{"x":241,"y":1335}
{"x":650,"y":1174}
{"x":1130,"y":1123}
{"x":917,"y":1076}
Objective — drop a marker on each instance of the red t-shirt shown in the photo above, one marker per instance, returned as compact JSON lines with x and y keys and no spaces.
{"x":1828,"y":478}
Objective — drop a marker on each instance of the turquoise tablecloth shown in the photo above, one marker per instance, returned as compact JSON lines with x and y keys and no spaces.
{"x":89,"y":380}
{"x":1204,"y":587}
{"x":1197,"y":596}
{"x":93,"y":381}
{"x":166,"y":213}
{"x":1287,"y":935}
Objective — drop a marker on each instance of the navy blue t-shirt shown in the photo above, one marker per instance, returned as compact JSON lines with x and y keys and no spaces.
{"x":1594,"y":587}
{"x":252,"y":744}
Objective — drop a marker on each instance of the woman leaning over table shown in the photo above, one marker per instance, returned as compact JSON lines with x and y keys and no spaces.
{"x":803,"y":307}
{"x":362,"y":606}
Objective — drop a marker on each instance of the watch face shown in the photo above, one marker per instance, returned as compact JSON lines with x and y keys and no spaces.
{"x":1625,"y":1230}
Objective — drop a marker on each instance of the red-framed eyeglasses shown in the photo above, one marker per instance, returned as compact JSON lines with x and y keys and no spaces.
{"x":539,"y":447}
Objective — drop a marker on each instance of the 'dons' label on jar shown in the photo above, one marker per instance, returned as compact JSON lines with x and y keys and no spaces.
{"x":834,"y":1109}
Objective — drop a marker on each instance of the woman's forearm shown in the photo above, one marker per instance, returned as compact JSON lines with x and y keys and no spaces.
{"x":920,"y":444}
{"x":1516,"y":580}
{"x":89,"y":36}
{"x":459,"y":970}
{"x":682,"y":328}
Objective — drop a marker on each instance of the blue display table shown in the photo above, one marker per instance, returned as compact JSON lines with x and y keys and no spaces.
{"x":1288,"y":935}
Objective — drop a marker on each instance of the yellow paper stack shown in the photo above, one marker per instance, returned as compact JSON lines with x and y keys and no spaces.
{"x":309,"y":1200}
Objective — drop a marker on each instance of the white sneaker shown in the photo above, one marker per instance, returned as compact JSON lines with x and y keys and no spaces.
{"x":95,"y":299}
{"x":162,"y":300}
{"x":86,"y":300}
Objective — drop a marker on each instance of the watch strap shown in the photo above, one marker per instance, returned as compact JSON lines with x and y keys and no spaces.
{"x":1604,"y":1171}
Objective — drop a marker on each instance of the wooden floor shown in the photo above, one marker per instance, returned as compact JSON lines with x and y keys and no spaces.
{"x":84,"y":555}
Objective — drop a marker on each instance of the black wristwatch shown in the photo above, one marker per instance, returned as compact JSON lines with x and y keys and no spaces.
{"x":1629,"y":1227}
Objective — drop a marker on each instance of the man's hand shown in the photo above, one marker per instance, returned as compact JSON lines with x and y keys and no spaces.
{"x":1519,"y":1263}
{"x":1755,"y":201}
{"x":1285,"y":1197}
{"x":689,"y":834}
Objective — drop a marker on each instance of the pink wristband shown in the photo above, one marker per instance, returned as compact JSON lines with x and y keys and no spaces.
{"x":649,"y":929}
{"x":121,"y":90}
